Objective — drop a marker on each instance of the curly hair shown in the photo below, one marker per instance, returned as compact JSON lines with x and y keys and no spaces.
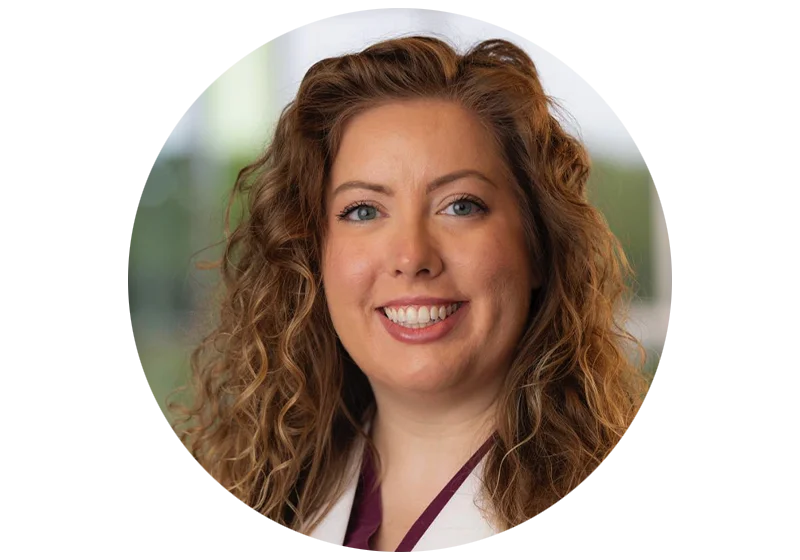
{"x":278,"y":405}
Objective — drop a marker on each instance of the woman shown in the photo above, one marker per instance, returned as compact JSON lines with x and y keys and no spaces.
{"x":419,"y":343}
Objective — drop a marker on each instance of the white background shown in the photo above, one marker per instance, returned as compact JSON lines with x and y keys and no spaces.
{"x":89,"y":465}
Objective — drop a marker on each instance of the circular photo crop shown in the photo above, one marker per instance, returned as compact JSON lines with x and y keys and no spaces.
{"x":399,"y":280}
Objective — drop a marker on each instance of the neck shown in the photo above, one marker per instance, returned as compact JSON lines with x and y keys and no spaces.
{"x":432,"y":429}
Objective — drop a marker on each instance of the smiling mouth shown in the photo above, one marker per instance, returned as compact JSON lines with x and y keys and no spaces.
{"x":420,"y":316}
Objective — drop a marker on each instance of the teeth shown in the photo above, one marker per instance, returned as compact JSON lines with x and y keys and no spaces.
{"x":416,"y":317}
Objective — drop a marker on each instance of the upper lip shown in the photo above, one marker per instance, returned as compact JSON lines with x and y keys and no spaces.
{"x":419,"y":300}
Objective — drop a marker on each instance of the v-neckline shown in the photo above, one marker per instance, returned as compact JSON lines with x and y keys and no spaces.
{"x":367,"y":514}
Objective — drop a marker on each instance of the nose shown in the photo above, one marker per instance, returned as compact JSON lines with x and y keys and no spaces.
{"x":414,"y":252}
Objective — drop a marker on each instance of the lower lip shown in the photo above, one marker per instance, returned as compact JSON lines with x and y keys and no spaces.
{"x":431,"y":333}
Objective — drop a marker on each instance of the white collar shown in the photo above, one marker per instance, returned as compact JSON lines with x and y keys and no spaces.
{"x":333,"y":526}
{"x":461,"y":520}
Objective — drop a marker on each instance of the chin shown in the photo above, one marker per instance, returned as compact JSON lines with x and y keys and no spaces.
{"x":431,"y":379}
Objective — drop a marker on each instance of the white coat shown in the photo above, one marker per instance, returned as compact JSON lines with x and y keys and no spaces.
{"x":460,"y":521}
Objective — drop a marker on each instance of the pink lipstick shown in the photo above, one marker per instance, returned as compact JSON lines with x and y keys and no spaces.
{"x":422,"y":335}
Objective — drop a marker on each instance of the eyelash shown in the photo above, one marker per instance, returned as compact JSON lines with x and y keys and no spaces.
{"x":482,"y":209}
{"x":352,"y":206}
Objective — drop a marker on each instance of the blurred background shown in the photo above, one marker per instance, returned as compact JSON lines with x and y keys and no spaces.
{"x":179,"y":221}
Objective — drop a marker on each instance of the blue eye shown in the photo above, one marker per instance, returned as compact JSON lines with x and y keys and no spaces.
{"x":464,"y":207}
{"x":360,"y":213}
{"x":363,"y":211}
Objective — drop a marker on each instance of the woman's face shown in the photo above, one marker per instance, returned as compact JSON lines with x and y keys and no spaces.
{"x":425,"y":269}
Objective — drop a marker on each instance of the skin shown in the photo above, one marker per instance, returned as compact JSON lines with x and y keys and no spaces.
{"x":434,"y":400}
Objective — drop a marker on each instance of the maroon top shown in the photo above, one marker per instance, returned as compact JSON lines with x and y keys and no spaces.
{"x":367,"y":512}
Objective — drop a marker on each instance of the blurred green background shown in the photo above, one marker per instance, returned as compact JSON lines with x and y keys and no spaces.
{"x":179,"y":220}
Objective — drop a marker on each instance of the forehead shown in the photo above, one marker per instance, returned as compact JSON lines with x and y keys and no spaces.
{"x":415,"y":140}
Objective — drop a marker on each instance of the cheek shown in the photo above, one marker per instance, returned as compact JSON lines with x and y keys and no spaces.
{"x":347,"y":272}
{"x":497,"y":262}
{"x":502,"y":275}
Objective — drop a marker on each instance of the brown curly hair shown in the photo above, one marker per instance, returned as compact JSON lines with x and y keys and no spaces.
{"x":278,"y":404}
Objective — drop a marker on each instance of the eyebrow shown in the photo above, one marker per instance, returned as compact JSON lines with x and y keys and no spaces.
{"x":432,"y":186}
